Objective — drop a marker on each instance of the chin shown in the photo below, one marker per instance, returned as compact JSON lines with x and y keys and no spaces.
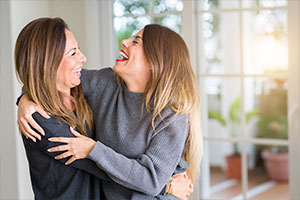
{"x":116,"y":68}
{"x":76,"y":84}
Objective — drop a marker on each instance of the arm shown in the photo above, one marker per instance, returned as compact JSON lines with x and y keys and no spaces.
{"x":54,"y":128}
{"x":91,"y":78}
{"x":87,"y":79}
{"x":182,"y":185}
{"x":26,"y":107}
{"x":25,"y":121}
{"x":150,"y":171}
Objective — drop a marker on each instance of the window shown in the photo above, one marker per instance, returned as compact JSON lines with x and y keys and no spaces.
{"x":131,"y":16}
{"x":243,"y":73}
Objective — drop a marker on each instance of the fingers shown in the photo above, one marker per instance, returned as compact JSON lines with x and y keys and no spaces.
{"x":179,"y":175}
{"x":185,"y":176}
{"x":75,"y":133}
{"x":25,"y":133}
{"x":191,"y":188}
{"x":28,"y":130}
{"x":60,"y":139}
{"x":59,"y":148}
{"x":63,"y":155}
{"x":72,"y":159}
{"x":42,"y":112}
{"x":35,"y":125}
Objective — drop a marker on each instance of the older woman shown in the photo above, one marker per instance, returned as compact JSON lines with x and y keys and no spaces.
{"x":144,"y":118}
{"x":47,"y":60}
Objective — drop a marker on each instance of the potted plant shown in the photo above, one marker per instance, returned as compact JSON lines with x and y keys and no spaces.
{"x":273,"y":124}
{"x":233,"y":122}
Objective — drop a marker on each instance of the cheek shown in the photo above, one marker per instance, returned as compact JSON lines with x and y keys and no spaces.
{"x":65,"y":70}
{"x":68,"y":66}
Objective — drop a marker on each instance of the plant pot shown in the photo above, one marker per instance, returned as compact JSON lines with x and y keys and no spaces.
{"x":234,"y":166}
{"x":277,"y":165}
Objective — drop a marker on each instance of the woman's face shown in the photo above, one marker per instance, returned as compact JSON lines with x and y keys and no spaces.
{"x":69,"y":69}
{"x":133,"y":63}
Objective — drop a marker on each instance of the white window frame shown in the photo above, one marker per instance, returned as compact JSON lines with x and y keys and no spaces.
{"x":294,"y":97}
{"x":193,"y":36}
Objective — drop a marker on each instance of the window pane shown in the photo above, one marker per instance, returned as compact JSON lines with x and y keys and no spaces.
{"x":171,"y":21}
{"x":268,"y":174}
{"x":220,"y":4}
{"x":134,"y":7}
{"x":265,"y":41}
{"x":266,"y":106}
{"x":225,"y":171}
{"x":223,"y":102}
{"x":161,"y":6}
{"x":221,"y":43}
{"x":264,"y":3}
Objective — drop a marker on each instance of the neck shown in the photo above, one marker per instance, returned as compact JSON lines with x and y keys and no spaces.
{"x":66,"y":93}
{"x":135,"y":86}
{"x":68,"y":103}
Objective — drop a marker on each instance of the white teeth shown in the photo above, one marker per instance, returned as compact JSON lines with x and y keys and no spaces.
{"x":77,"y":70}
{"x":123,"y":55}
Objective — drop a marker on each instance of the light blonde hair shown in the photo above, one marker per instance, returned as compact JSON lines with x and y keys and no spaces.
{"x":173,"y":84}
{"x":39,"y":50}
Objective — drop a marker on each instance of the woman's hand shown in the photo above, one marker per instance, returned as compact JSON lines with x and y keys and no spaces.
{"x":25,"y":110}
{"x":181,"y":186}
{"x":78,"y":147}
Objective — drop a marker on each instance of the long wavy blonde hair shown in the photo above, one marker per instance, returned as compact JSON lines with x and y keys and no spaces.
{"x":39,"y":50}
{"x":173,"y":84}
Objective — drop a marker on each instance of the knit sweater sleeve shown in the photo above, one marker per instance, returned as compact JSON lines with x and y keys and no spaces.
{"x":150,"y":171}
{"x":53,"y":128}
{"x":89,"y":79}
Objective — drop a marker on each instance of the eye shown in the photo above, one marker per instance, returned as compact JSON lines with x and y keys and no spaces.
{"x":73,"y":54}
{"x":135,"y":42}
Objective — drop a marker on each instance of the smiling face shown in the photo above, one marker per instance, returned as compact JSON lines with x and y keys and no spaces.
{"x":68,"y":73}
{"x":133,"y":66}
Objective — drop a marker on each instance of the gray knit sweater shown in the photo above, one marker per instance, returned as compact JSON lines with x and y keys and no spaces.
{"x":139,"y":161}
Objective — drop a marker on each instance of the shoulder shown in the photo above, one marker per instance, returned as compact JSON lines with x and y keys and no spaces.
{"x":174,"y":124}
{"x":169,"y":116}
{"x":96,"y":80}
{"x":51,"y":124}
{"x":101,"y":74}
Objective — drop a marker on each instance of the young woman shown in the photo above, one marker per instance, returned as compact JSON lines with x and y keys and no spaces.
{"x":144,"y":117}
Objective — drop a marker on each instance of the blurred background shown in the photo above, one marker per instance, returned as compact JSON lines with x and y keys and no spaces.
{"x":246,"y":57}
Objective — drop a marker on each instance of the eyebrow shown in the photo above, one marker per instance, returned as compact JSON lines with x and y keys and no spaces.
{"x":71,"y":50}
{"x":138,"y":37}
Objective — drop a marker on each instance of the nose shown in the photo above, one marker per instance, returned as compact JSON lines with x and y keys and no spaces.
{"x":124,"y":43}
{"x":82,"y":57}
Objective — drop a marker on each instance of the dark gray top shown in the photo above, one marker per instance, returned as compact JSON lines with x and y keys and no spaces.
{"x":52,"y":179}
{"x":132,"y":154}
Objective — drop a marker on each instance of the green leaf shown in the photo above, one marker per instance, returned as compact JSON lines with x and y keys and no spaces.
{"x":235,"y":110}
{"x":251,"y":114}
{"x":217,"y":116}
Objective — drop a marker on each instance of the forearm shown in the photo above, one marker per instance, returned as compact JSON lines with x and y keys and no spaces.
{"x":53,"y":128}
{"x":147,"y":173}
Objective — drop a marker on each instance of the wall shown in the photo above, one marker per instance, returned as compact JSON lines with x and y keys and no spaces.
{"x":8,"y":160}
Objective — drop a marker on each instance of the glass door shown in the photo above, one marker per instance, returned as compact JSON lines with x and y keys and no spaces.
{"x":242,"y":62}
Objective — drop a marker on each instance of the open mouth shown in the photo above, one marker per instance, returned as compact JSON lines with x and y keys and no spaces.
{"x":123,"y":56}
{"x":77,"y":71}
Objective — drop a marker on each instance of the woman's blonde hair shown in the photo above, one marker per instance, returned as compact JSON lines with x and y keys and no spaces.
{"x":173,"y":84}
{"x":39,"y":50}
